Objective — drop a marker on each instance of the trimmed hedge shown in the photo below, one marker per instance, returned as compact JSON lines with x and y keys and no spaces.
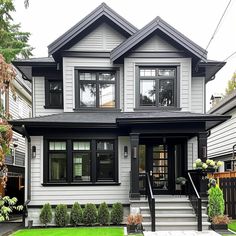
{"x":76,"y":215}
{"x":61,"y":215}
{"x":117,"y":213}
{"x":103,"y":214}
{"x":90,"y":214}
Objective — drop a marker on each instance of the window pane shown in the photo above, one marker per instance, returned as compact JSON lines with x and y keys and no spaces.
{"x":55,"y":86}
{"x":87,"y":76}
{"x":166,"y":92}
{"x":166,"y":72}
{"x":57,"y":146}
{"x":105,"y":145}
{"x":57,"y":163}
{"x":142,"y":158}
{"x":88,"y":95}
{"x":81,"y":166}
{"x":147,"y":92}
{"x":147,"y":72}
{"x":55,"y":99}
{"x":105,"y":166}
{"x":107,"y":95}
{"x":108,"y":76}
{"x":81,"y":145}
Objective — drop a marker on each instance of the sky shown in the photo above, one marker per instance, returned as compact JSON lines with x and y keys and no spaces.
{"x":46,"y":20}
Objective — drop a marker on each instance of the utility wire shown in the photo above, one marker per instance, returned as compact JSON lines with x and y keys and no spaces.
{"x":218,"y":25}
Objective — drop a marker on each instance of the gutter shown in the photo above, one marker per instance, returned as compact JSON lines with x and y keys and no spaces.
{"x":28,"y":195}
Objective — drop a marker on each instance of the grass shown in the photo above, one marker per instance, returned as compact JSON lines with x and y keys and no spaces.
{"x":93,"y":231}
{"x":232,"y":225}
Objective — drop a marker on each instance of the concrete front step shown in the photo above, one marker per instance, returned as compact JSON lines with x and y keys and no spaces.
{"x":174,"y":218}
{"x":171,"y":210}
{"x":176,"y":226}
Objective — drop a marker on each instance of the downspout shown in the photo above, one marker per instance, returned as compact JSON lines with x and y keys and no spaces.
{"x":28,"y":195}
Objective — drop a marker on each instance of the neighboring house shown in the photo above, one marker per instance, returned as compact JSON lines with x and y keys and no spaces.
{"x":111,"y":103}
{"x":18,"y":104}
{"x":222,"y":139}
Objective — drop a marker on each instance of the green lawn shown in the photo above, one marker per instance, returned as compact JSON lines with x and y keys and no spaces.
{"x":93,"y":231}
{"x":232,"y":225}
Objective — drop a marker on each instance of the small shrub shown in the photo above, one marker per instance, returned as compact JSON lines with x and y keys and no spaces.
{"x":216,"y":203}
{"x":117,"y":213}
{"x":222,"y":219}
{"x":61,"y":215}
{"x":76,"y":215}
{"x":46,"y":214}
{"x":136,"y":219}
{"x":103,"y":214}
{"x":90,"y":214}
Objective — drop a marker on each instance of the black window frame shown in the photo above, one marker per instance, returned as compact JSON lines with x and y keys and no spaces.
{"x":48,"y":80}
{"x":158,"y":78}
{"x":96,"y":71}
{"x":69,"y":167}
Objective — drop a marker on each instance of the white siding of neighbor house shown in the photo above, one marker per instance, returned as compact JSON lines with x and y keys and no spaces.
{"x":69,"y":65}
{"x":223,"y":137}
{"x":156,"y":43}
{"x":198,"y":94}
{"x":83,"y":194}
{"x":192,"y":152}
{"x":103,"y":38}
{"x":39,"y":99}
{"x":130,"y":82}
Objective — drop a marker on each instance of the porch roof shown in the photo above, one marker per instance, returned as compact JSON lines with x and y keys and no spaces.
{"x":116,"y":119}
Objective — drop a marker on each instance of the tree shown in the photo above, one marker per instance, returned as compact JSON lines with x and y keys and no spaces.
{"x":13,"y":42}
{"x":231,"y":84}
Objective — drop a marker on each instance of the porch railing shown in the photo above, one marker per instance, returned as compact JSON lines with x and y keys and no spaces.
{"x":151,"y":202}
{"x":195,"y":200}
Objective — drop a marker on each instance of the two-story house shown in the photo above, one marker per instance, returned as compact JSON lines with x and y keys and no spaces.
{"x":111,"y":105}
{"x":16,"y":102}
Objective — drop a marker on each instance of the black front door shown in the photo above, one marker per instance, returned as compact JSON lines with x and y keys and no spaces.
{"x":161,"y":164}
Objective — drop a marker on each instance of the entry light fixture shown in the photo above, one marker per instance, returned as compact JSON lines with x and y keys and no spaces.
{"x":135,"y":152}
{"x":33,"y":151}
{"x":125,"y":151}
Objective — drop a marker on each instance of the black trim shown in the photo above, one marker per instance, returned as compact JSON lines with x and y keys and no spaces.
{"x":81,"y":184}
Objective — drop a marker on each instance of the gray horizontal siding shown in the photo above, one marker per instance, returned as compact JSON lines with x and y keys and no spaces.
{"x":82,"y":194}
{"x":198,"y":94}
{"x":223,"y":137}
{"x":39,"y":99}
{"x":129,"y":82}
{"x":156,"y":43}
{"x":103,"y":38}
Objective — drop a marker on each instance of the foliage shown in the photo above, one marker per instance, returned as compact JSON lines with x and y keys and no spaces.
{"x":46,"y":214}
{"x":216,"y":203}
{"x":7,"y":205}
{"x":61,"y":215}
{"x":90,"y":214}
{"x":85,"y":231}
{"x":13,"y":42}
{"x":103,"y":214}
{"x":76,"y":215}
{"x":181,"y":180}
{"x":117,"y":213}
{"x":221,"y":219}
{"x":231,"y":86}
{"x":210,"y":164}
{"x":135,"y":219}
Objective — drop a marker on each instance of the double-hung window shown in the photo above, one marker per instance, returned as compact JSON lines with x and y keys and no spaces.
{"x":95,"y":89}
{"x":157,"y":87}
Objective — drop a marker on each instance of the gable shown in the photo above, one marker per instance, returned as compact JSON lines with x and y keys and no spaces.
{"x":102,"y":38}
{"x":156,"y":43}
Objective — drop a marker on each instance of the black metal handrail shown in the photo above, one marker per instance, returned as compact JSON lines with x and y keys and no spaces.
{"x":195,"y":200}
{"x":151,"y":201}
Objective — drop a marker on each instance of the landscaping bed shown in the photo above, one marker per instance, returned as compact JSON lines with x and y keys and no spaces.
{"x":91,"y":231}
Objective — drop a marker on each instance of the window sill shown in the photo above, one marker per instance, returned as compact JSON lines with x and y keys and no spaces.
{"x":82,"y":184}
{"x":97,"y":109}
{"x":158,"y":109}
{"x":52,"y":107}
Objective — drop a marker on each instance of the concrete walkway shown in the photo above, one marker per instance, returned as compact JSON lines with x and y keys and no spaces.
{"x":182,"y":233}
{"x":9,"y":227}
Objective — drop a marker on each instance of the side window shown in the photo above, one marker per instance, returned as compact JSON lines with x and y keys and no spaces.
{"x":2,"y":101}
{"x":53,"y":93}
